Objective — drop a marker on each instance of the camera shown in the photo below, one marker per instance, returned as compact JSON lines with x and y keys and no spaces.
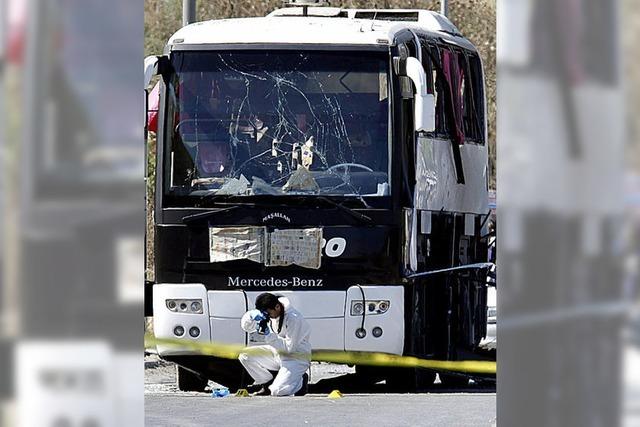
{"x":263,"y":326}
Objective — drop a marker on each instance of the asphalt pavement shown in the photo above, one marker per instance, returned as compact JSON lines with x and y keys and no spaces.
{"x":431,"y":409}
{"x":165,"y":405}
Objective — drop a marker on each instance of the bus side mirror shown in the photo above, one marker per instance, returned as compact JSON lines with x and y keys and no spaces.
{"x":150,"y":69}
{"x":424,"y":102}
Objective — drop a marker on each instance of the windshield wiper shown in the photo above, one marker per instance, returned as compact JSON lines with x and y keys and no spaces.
{"x":350,"y":211}
{"x":203,"y":215}
{"x":190,"y":218}
{"x":363,"y":201}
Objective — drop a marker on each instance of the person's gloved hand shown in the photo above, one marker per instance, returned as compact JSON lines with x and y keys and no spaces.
{"x":263,"y":327}
{"x":257,"y":315}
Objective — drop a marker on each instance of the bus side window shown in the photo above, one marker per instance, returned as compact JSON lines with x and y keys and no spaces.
{"x":432,"y":78}
{"x":428,"y":69}
{"x":431,"y":53}
{"x":456,"y":77}
{"x":473,"y":98}
{"x":460,"y":82}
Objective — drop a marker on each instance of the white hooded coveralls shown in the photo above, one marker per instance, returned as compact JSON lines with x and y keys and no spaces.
{"x":293,"y":338}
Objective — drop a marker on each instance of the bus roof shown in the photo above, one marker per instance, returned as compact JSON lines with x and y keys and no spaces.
{"x":323,"y":25}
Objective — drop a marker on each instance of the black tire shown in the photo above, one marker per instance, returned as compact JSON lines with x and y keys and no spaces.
{"x":409,"y":380}
{"x":425,"y":379}
{"x":368,"y":375}
{"x":453,"y":381}
{"x":190,"y":381}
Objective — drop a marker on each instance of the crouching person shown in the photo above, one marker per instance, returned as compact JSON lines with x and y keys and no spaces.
{"x":285,"y":331}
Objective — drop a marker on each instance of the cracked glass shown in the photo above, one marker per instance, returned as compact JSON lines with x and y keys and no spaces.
{"x":278,"y":123}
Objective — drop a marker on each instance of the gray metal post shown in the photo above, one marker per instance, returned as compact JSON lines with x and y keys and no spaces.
{"x":444,"y":7}
{"x":188,"y":12}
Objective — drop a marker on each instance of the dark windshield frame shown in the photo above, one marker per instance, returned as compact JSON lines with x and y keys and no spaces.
{"x":184,"y":200}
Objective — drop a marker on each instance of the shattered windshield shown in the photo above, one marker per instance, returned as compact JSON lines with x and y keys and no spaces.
{"x":278,"y":123}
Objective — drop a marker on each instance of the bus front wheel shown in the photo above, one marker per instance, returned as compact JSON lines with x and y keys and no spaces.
{"x":189,"y":381}
{"x":409,"y":379}
{"x":453,"y":381}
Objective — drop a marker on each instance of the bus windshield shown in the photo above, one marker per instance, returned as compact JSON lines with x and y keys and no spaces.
{"x":277,"y":123}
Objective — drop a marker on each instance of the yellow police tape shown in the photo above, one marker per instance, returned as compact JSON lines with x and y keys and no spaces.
{"x":231,"y":351}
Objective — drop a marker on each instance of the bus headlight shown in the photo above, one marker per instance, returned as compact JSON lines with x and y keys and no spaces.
{"x":371,"y":306}
{"x":178,"y":331}
{"x":196,"y":307}
{"x":187,"y":306}
{"x":357,"y":308}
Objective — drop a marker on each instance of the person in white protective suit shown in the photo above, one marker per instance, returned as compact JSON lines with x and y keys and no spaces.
{"x":285,"y":331}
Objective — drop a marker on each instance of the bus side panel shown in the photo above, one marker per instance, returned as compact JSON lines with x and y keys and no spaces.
{"x":449,"y":310}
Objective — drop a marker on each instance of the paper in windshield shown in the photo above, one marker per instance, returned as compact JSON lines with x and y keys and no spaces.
{"x":298,"y":246}
{"x":235,"y":243}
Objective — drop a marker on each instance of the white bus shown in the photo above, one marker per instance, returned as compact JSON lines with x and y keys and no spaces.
{"x":333,"y":156}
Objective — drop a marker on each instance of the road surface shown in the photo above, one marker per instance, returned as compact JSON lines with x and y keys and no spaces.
{"x":432,"y":409}
{"x":166,"y":406}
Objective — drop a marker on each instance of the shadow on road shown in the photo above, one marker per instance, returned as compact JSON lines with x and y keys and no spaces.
{"x":352,"y":383}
